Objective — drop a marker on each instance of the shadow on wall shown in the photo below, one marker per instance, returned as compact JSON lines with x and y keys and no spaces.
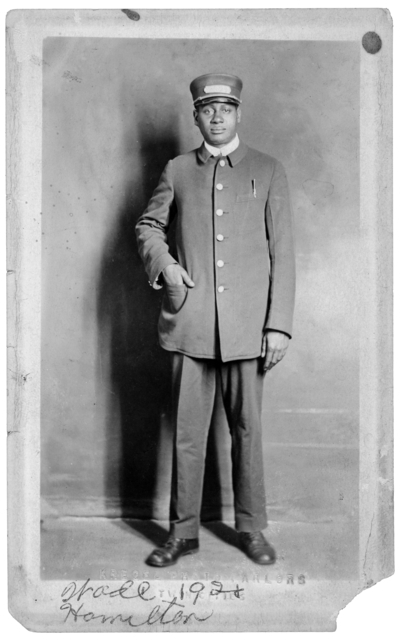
{"x":139,"y":430}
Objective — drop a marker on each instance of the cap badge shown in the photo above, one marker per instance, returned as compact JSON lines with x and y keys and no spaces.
{"x":217,"y":88}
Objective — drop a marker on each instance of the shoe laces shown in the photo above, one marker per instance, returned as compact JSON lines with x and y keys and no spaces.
{"x":170,"y":542}
{"x":255,"y":537}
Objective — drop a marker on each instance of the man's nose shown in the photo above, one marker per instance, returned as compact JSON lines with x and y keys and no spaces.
{"x":217,"y":117}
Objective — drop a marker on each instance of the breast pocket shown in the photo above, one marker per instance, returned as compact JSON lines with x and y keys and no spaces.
{"x":250,"y":215}
{"x":176,"y":295}
{"x":249,"y":198}
{"x":244,"y":198}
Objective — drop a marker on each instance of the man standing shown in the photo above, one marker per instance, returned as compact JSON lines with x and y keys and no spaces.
{"x":228,"y":306}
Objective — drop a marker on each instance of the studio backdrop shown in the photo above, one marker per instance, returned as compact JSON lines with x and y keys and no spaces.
{"x":114,"y":112}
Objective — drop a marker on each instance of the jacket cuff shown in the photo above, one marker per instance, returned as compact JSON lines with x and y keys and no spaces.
{"x":157,"y":267}
{"x":278,"y":331}
{"x":279,"y":322}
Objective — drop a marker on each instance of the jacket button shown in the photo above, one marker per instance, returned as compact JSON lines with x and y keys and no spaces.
{"x":220,"y":263}
{"x":219,"y":212}
{"x":219,"y":237}
{"x":222,"y":163}
{"x":221,"y":289}
{"x":219,"y":186}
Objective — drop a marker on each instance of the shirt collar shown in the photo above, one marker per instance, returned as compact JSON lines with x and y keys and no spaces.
{"x":226,"y":149}
{"x":234,"y":157}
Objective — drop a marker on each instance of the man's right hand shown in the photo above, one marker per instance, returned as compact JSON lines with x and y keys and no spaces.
{"x":175,"y":274}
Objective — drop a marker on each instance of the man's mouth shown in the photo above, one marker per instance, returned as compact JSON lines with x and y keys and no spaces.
{"x":217,"y":130}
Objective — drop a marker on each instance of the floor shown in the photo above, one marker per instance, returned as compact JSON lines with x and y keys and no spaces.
{"x":312,"y":482}
{"x":113,"y":549}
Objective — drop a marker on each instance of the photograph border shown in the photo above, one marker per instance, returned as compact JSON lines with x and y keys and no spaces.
{"x":29,"y":596}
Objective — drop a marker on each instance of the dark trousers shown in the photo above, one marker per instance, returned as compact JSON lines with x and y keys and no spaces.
{"x":194,"y":386}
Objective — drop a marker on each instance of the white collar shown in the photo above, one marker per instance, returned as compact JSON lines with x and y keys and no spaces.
{"x":226,"y":149}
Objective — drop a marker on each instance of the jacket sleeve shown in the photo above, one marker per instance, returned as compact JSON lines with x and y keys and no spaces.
{"x":280,"y":240}
{"x":152,"y":226}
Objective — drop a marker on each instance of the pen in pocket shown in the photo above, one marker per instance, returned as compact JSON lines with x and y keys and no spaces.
{"x":254,"y":189}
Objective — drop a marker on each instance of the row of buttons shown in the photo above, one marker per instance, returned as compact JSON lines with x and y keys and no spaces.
{"x":219,"y":237}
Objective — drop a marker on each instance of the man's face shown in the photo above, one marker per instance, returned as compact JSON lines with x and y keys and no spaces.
{"x":217,"y":122}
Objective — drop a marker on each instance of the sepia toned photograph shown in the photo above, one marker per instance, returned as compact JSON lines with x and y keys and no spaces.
{"x":201,"y":336}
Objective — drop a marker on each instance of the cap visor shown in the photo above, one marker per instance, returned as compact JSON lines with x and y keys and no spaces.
{"x":218,"y":98}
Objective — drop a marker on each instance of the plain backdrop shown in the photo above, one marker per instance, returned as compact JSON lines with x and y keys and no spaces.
{"x":114,"y":112}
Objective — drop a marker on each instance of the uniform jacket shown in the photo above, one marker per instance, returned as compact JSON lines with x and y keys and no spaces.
{"x":234,"y":238}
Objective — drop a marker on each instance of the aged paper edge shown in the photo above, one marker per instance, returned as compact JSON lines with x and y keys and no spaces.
{"x":31,"y":600}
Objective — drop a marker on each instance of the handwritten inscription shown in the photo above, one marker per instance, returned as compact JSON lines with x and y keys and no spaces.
{"x":171,"y":610}
{"x":160,"y":614}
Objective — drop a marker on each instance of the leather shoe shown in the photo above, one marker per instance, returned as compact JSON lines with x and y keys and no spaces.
{"x":256,"y":547}
{"x":171,"y":551}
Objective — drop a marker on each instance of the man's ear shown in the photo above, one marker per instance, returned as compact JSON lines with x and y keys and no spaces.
{"x":195,"y":114}
{"x":238,"y":114}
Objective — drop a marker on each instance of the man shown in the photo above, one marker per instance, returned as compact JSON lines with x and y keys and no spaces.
{"x":227,"y":312}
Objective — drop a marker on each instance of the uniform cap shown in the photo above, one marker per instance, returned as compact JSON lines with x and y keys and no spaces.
{"x":216,"y":87}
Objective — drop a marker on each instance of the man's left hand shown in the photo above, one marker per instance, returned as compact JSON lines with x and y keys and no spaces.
{"x":274,"y":346}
